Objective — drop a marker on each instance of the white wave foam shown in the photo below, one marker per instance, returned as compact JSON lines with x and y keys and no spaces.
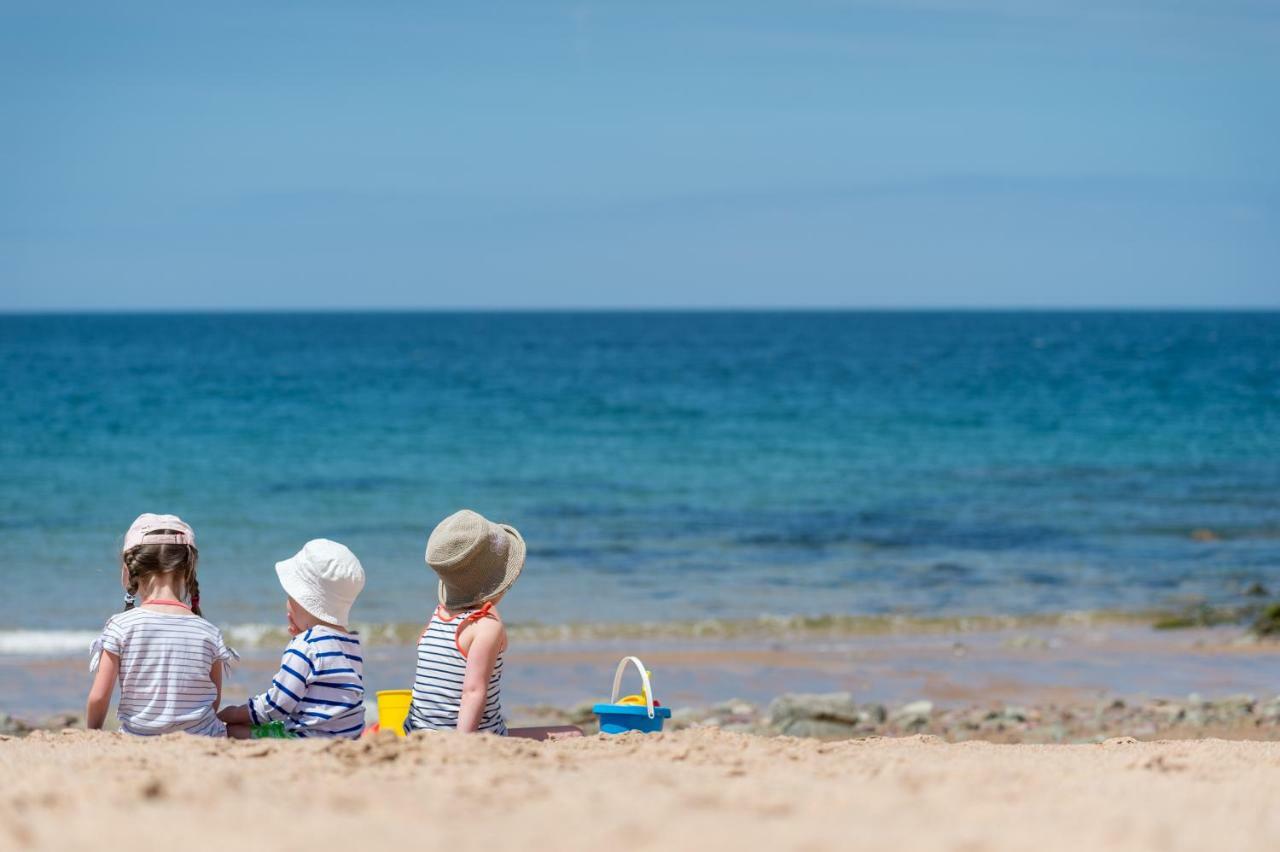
{"x":256,"y":635}
{"x":31,"y":643}
{"x":46,"y":642}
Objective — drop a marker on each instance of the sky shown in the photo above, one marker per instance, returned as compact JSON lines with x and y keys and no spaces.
{"x":922,"y":153}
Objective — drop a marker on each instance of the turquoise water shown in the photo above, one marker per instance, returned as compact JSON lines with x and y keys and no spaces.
{"x":662,"y":466}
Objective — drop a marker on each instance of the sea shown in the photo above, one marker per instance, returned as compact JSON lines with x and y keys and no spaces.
{"x":665,"y":468}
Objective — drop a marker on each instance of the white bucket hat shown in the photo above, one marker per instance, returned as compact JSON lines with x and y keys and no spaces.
{"x":476,"y":559}
{"x":324,"y":577}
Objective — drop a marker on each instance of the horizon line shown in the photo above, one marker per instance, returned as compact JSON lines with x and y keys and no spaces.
{"x":637,"y":309}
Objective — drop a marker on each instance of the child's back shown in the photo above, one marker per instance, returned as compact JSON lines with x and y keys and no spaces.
{"x":458,"y":681}
{"x":168,"y":659}
{"x":442,"y":666}
{"x":165,"y":664}
{"x":319,"y":690}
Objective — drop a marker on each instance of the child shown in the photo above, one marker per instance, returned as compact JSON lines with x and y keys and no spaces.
{"x":319,"y":690}
{"x":459,"y":676}
{"x":169,"y":660}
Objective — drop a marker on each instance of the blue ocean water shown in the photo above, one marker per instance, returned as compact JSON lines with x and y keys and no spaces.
{"x":662,"y":466}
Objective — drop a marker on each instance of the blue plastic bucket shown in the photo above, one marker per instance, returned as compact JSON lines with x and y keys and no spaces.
{"x":618,"y":718}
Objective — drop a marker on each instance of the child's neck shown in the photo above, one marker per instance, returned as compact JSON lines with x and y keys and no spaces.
{"x":309,"y":623}
{"x":452,"y":613}
{"x":161,"y":588}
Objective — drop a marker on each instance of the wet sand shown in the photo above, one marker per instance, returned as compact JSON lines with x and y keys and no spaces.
{"x":1064,"y":665}
{"x":701,"y":789}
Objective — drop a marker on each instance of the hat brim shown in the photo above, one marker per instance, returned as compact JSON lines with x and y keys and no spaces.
{"x":308,"y":595}
{"x":453,"y":601}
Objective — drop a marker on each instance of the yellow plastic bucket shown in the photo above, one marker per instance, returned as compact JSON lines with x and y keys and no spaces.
{"x":393,"y":707}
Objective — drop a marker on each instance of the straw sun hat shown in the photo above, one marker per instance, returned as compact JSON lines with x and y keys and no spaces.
{"x":476,"y":559}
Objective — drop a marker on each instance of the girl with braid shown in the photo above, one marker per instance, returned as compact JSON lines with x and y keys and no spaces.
{"x":168,"y":659}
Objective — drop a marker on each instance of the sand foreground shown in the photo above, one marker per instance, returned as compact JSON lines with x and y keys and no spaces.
{"x":703,"y":789}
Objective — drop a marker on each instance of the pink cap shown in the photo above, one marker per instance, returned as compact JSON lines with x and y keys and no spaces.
{"x":146,"y":523}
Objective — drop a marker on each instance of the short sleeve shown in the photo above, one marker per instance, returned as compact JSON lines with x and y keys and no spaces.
{"x":112,"y":639}
{"x":289,"y":685}
{"x":222,"y":653}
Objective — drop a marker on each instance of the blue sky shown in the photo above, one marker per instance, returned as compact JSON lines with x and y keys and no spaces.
{"x":917,"y":153}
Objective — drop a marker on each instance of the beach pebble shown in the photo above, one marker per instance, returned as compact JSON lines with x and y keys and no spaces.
{"x":9,"y":726}
{"x":59,"y":721}
{"x":914,"y":716}
{"x":1015,"y":714}
{"x":1167,"y":712}
{"x":827,"y":716}
{"x":1234,"y":706}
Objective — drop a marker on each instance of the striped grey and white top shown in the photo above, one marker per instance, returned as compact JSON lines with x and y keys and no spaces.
{"x":166,"y":661}
{"x":437,"y":684}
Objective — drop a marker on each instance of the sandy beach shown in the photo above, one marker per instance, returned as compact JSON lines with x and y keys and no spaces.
{"x":692,"y":789}
{"x":878,"y":401}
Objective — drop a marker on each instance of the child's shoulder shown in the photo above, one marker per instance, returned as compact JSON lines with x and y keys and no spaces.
{"x":324,"y":635}
{"x":138,"y":617}
{"x":485,"y":621}
{"x":488,"y":627}
{"x":206,"y":624}
{"x":129,"y":617}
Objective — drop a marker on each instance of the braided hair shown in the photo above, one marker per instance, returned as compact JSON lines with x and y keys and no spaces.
{"x":145,"y":559}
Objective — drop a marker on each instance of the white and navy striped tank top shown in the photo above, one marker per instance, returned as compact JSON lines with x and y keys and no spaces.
{"x":437,"y":684}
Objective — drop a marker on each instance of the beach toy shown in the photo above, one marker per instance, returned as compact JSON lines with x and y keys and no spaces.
{"x":271,"y":731}
{"x":645,"y":715}
{"x":641,"y":699}
{"x":393,"y":708}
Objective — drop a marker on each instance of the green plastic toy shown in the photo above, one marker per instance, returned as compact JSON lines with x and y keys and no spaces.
{"x":271,"y":731}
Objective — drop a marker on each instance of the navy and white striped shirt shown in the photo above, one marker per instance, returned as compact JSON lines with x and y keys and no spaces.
{"x":437,"y":683}
{"x":166,"y":665}
{"x":319,"y":690}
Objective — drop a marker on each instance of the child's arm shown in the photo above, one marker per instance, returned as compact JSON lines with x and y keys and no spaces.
{"x":281,"y":699}
{"x":95,"y":712}
{"x":487,"y":637}
{"x":215,"y":675}
{"x":237,"y":714}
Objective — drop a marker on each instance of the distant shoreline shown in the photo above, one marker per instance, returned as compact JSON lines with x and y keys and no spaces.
{"x":1091,"y":310}
{"x":19,"y":641}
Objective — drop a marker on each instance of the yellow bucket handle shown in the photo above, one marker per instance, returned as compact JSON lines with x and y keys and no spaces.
{"x":644,"y":678}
